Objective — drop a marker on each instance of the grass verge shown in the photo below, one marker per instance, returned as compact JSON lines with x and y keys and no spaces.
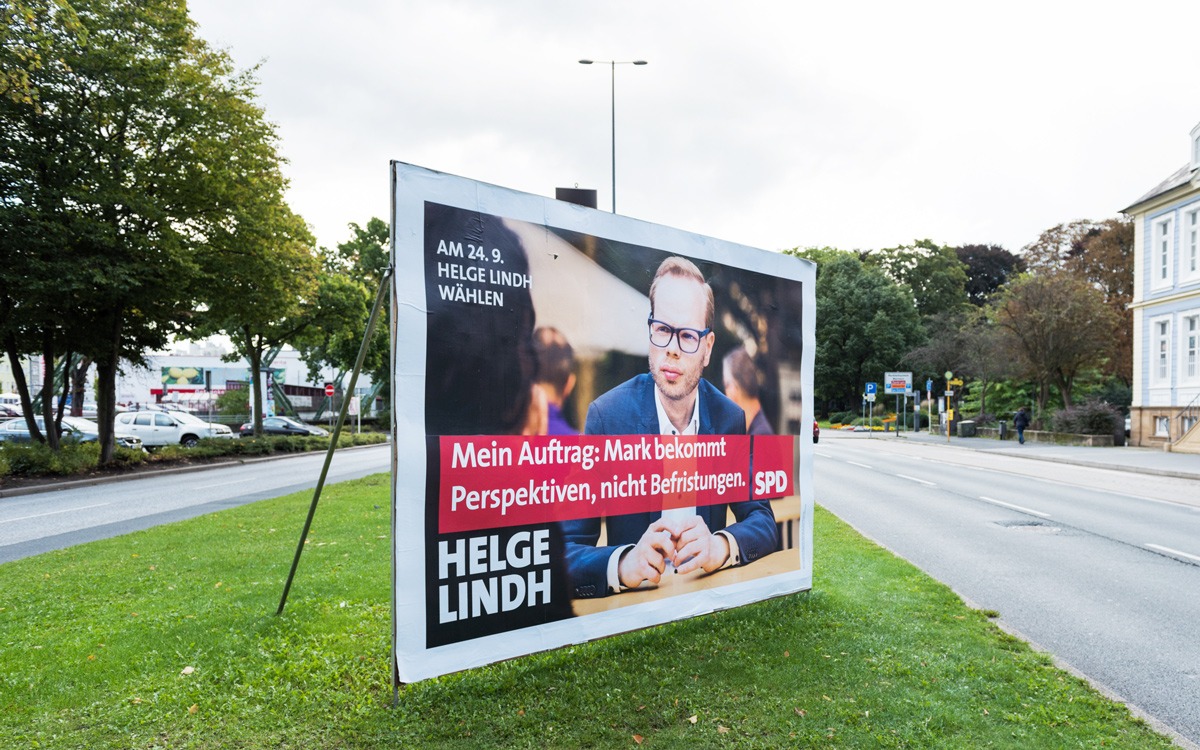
{"x":167,"y":638}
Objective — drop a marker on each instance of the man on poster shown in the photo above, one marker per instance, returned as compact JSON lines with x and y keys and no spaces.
{"x":672,"y":399}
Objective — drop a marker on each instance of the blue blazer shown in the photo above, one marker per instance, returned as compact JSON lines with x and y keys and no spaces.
{"x":629,"y":409}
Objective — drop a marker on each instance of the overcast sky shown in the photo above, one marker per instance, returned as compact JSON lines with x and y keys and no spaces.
{"x":773,"y":124}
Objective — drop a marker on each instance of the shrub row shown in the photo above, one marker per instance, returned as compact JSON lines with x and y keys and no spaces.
{"x":36,"y":459}
{"x":1089,"y":418}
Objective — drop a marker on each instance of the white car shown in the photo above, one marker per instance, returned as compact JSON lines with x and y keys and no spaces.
{"x":157,"y":428}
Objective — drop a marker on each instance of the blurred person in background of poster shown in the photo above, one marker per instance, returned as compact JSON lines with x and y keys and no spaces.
{"x":556,"y":376}
{"x":742,"y":384}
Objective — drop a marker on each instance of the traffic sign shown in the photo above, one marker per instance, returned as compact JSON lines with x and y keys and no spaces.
{"x":329,"y":389}
{"x":896,"y":383}
{"x":871,"y":389}
{"x":929,"y":385}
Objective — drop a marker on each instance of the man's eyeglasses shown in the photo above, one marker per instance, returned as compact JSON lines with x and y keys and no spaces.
{"x":689,"y":338}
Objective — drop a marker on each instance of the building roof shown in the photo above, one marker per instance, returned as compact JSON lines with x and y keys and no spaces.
{"x":1182,"y":176}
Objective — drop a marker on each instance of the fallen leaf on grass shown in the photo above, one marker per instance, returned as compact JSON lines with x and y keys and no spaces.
{"x":787,"y":654}
{"x":193,"y":708}
{"x":693,"y":718}
{"x":187,"y":670}
{"x":801,"y":712}
{"x":722,"y":730}
{"x":91,"y":657}
{"x":638,"y":738}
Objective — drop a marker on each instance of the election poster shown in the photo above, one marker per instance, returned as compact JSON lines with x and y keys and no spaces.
{"x":597,"y":423}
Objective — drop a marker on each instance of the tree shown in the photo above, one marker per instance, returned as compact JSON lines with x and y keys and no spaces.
{"x":350,"y":280}
{"x":1058,"y":325}
{"x":124,"y":141}
{"x":865,"y":324}
{"x":1100,"y":253}
{"x":933,"y":275}
{"x":268,"y":271}
{"x":985,"y":354}
{"x":988,"y":267}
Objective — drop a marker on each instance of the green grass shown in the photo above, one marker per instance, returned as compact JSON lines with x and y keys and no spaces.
{"x":167,"y":638}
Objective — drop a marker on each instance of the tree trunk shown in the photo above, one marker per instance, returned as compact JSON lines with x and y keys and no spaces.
{"x":79,"y":385}
{"x":254,"y":358}
{"x":53,"y":436}
{"x":106,"y":382}
{"x":14,"y":358}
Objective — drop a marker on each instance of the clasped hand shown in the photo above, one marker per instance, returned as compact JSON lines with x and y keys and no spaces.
{"x":687,"y":544}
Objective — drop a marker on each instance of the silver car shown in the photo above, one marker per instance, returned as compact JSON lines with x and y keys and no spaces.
{"x":157,"y":428}
{"x":74,"y":429}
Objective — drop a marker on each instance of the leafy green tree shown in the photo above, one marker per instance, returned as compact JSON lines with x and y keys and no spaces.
{"x":350,"y":281}
{"x":1057,"y":325}
{"x":932,"y":274}
{"x":865,"y":325}
{"x":269,"y":274}
{"x":124,"y":143}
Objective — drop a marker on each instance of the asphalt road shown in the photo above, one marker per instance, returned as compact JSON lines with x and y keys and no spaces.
{"x":37,"y":523}
{"x":1099,"y":567}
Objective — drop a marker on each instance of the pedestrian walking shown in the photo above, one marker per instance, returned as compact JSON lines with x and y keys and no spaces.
{"x":1021,"y":421}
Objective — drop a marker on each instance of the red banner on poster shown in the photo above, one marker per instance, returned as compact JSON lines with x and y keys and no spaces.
{"x":500,"y":480}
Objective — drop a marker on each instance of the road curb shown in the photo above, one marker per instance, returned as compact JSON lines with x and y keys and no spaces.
{"x":1015,"y":453}
{"x":167,"y":470}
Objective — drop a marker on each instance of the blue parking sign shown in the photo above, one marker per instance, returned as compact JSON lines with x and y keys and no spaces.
{"x":871,"y":389}
{"x":929,"y":386}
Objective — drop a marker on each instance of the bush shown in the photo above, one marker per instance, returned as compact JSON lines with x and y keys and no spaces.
{"x":36,"y":459}
{"x":843,"y":417}
{"x":1089,"y":418}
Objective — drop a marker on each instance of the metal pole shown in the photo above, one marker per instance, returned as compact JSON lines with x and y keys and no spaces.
{"x":384,"y":285}
{"x":613,"y":67}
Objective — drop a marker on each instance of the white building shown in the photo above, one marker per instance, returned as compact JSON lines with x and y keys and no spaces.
{"x":1166,"y":310}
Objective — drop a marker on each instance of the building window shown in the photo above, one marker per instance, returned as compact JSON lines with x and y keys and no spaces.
{"x":1163,"y":241}
{"x":1162,"y":351}
{"x":1191,"y":346}
{"x":1191,"y":243}
{"x":1162,"y":427}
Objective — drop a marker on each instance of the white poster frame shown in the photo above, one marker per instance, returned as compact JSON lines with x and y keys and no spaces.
{"x":412,"y":187}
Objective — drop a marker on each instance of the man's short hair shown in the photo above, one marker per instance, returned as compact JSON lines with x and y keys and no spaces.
{"x":741,"y":368}
{"x":684,"y":269}
{"x":556,"y":358}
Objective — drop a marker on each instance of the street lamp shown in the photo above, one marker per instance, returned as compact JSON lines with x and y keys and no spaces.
{"x":613,"y":69}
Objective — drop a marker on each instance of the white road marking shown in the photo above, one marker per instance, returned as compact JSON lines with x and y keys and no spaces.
{"x":914,"y":479}
{"x":864,"y":466}
{"x":54,"y":512}
{"x":222,"y":484}
{"x":1176,"y":552}
{"x":1014,"y":507}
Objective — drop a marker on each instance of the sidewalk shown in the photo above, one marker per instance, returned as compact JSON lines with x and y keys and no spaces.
{"x":1139,"y":460}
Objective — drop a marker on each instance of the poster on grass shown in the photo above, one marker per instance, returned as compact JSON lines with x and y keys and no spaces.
{"x":599,"y":423}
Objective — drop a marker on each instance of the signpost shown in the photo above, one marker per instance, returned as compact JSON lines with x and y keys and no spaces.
{"x":869,"y":418}
{"x":897,"y":384}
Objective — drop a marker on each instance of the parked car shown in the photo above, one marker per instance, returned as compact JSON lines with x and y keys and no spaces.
{"x":157,"y":428}
{"x":74,"y":429}
{"x":8,"y":412}
{"x":816,"y":431}
{"x":284,"y":426}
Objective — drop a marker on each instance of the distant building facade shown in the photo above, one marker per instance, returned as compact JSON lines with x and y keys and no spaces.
{"x":1166,"y":310}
